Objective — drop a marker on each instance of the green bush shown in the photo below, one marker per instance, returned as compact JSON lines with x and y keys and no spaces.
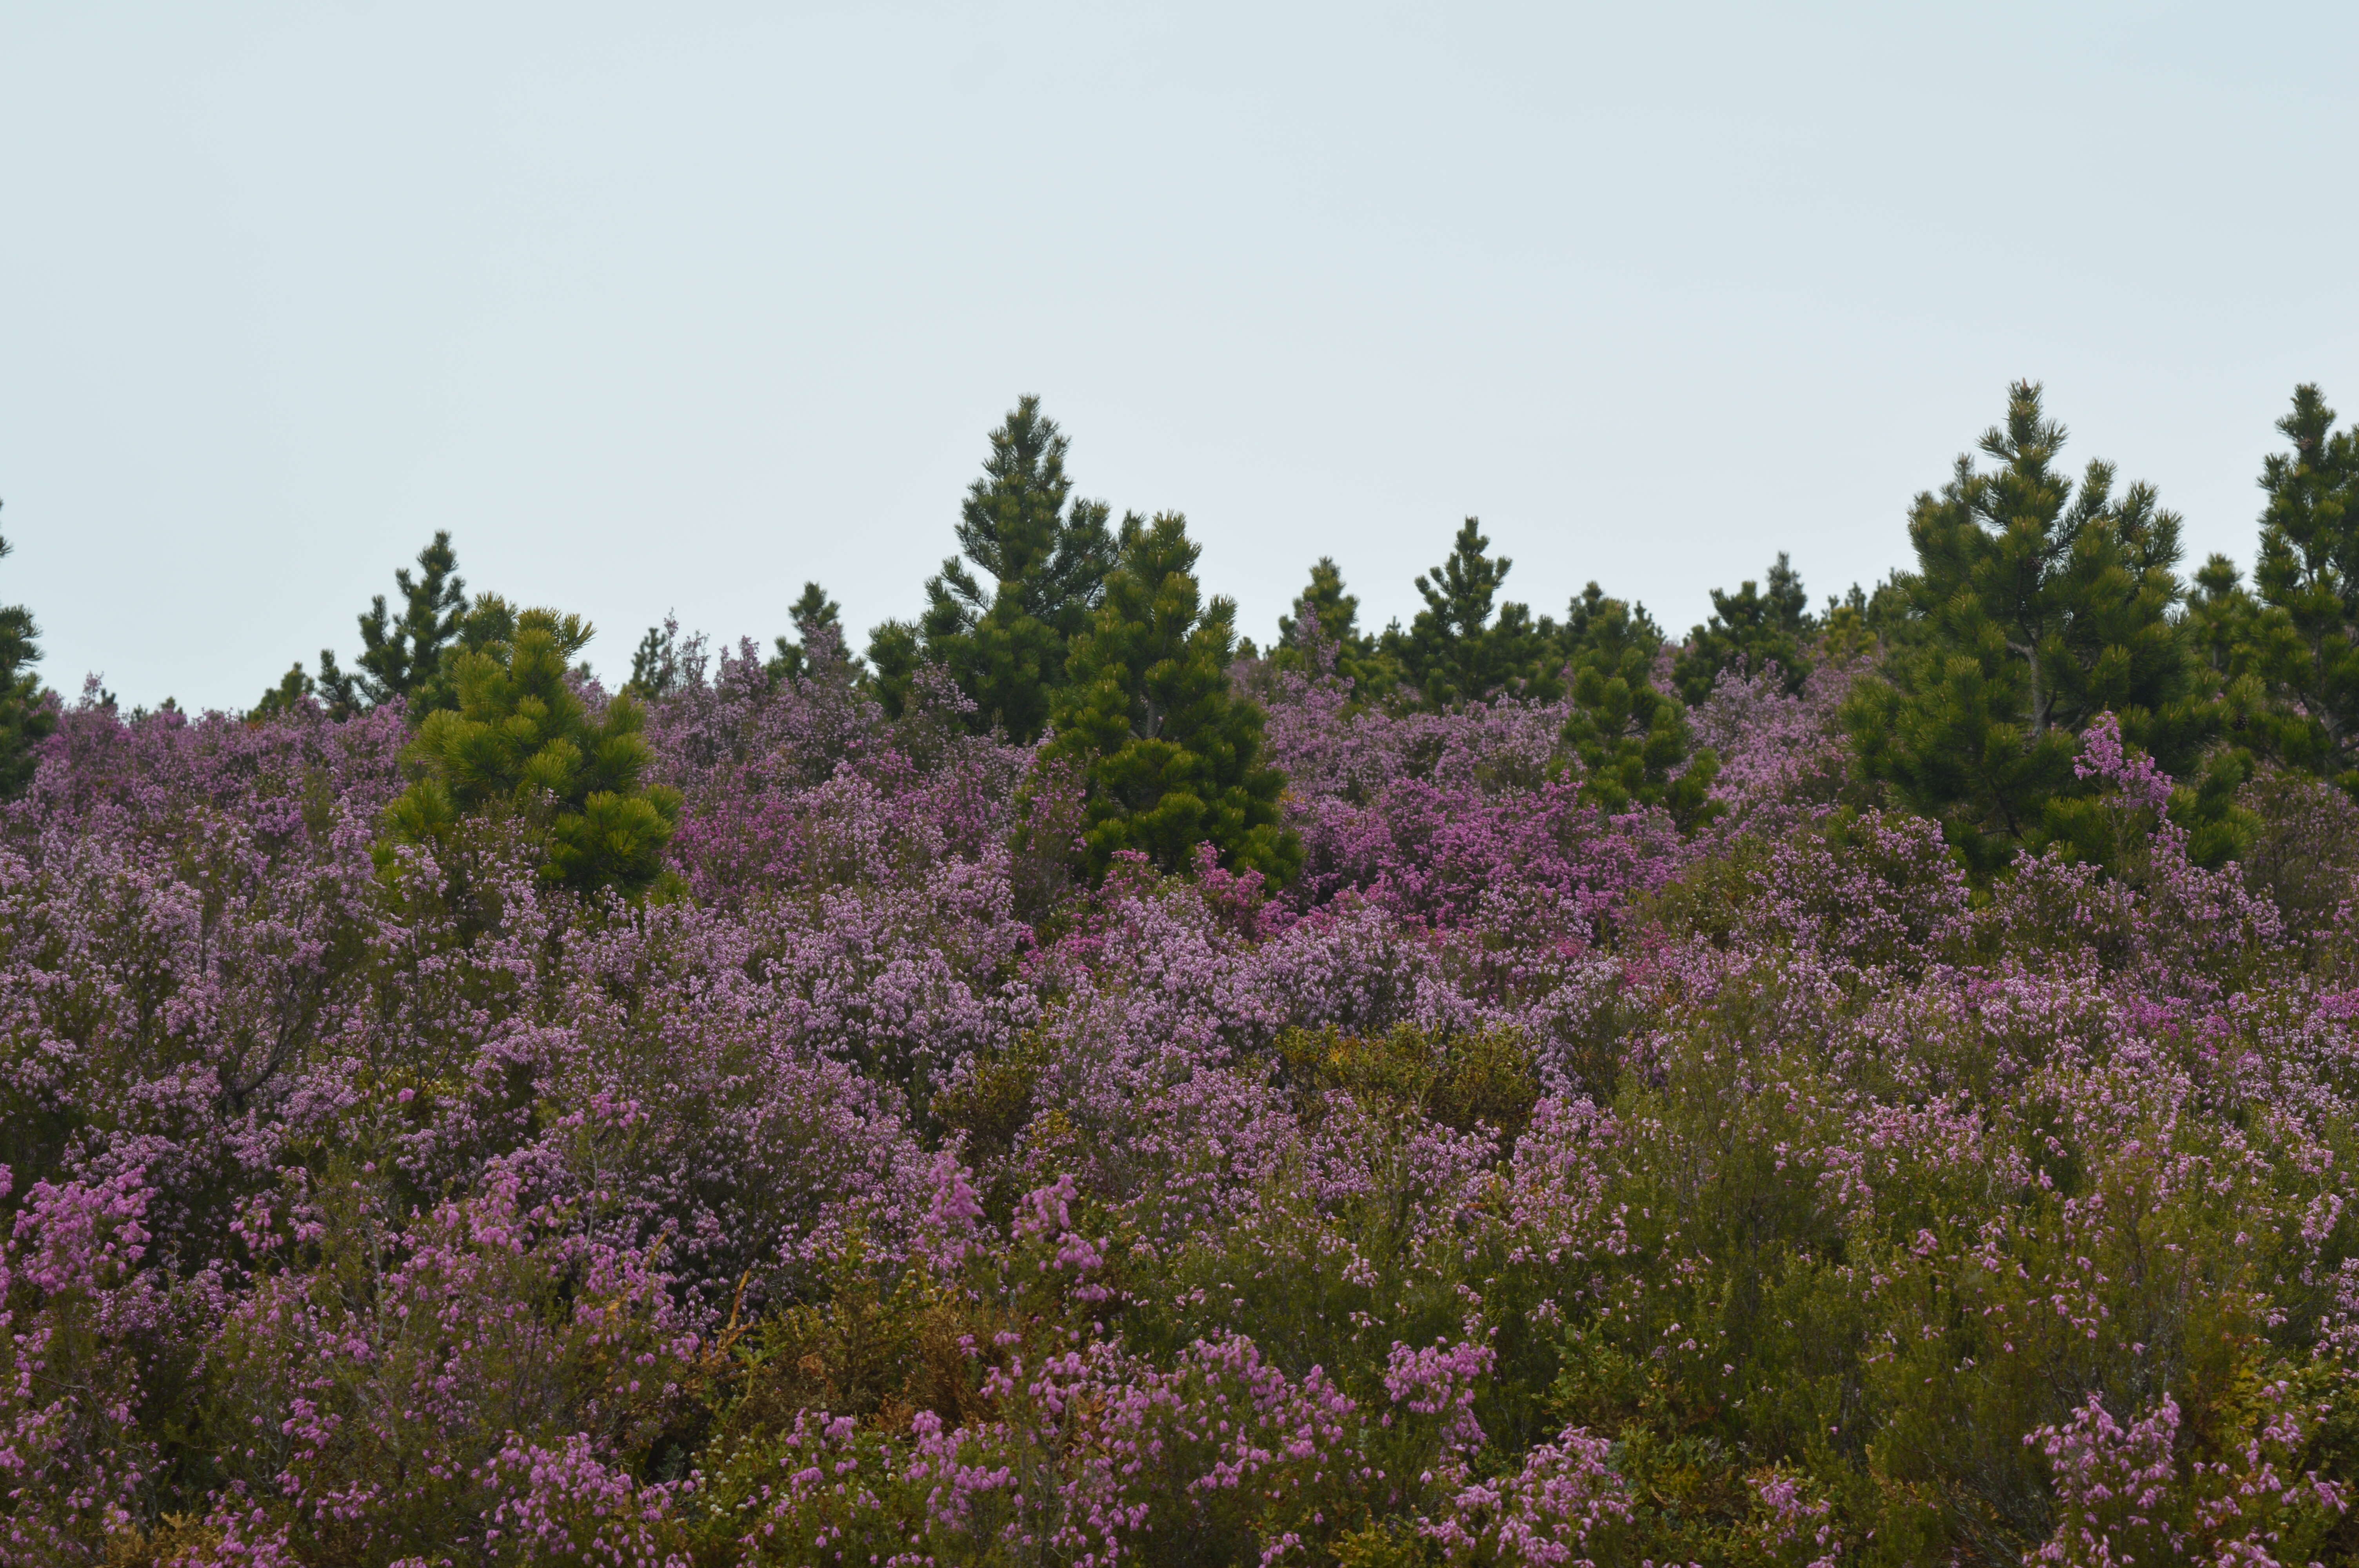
{"x":522,"y":743}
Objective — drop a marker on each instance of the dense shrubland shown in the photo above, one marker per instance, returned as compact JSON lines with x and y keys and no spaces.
{"x":1875,"y":1085}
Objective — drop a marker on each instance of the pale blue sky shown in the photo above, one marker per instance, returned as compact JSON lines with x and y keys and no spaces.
{"x":672,"y":306}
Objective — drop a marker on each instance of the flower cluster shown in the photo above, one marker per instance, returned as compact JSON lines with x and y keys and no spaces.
{"x":1522,"y":1183}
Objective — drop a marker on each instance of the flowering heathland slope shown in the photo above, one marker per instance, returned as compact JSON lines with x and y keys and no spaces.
{"x":1525,"y":1182}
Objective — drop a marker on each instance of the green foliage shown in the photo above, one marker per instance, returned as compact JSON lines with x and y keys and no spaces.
{"x":2233,"y":639}
{"x":26,"y":714}
{"x":2033,"y":610}
{"x":1454,"y":651}
{"x":2305,"y":644}
{"x":2219,"y":626}
{"x":1171,"y":753}
{"x":402,"y":655}
{"x":2304,"y":853}
{"x":1324,"y":602}
{"x":818,"y":640}
{"x":1486,"y":1078}
{"x":507,"y":1343}
{"x":490,"y":622}
{"x":519,"y":741}
{"x":1630,"y":734}
{"x":1326,"y":619}
{"x":293,"y":688}
{"x":654,"y":663}
{"x":895,"y":651}
{"x":399,"y":656}
{"x":1750,"y":628}
{"x":1005,"y":635}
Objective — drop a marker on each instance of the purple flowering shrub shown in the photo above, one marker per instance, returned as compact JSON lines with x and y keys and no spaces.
{"x":464,"y":1381}
{"x":1522,"y":1185}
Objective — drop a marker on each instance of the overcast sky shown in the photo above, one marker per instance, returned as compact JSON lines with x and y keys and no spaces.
{"x":672,"y":306}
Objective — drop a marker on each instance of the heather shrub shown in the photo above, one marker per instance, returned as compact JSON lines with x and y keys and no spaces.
{"x":78,"y":1305}
{"x":1525,"y":1181}
{"x":482,"y":1381}
{"x":2305,"y":852}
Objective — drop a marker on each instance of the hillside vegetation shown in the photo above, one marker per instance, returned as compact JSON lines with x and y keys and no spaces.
{"x":1870,"y":1084}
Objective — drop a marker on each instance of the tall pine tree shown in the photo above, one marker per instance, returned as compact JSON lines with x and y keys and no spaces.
{"x":399,"y":654}
{"x":1002,"y":621}
{"x":1171,"y":754}
{"x":2305,"y":644}
{"x":27,"y":714}
{"x":1455,"y":650}
{"x":818,"y":639}
{"x":1324,"y":602}
{"x":656,"y":663}
{"x":402,"y":654}
{"x":1750,"y":629}
{"x":1629,"y":731}
{"x":1326,"y":616}
{"x":2034,"y":607}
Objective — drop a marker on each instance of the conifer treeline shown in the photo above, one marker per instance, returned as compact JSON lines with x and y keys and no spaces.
{"x":24,"y":718}
{"x":2036,"y":602}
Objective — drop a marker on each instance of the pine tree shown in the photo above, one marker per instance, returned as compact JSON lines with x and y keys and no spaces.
{"x":818,"y":638}
{"x":397,"y":656}
{"x":486,"y":623}
{"x":28,"y":714}
{"x":895,"y":652}
{"x":1170,"y":752}
{"x":1630,"y":733}
{"x":519,"y":743}
{"x":401,"y":656}
{"x":2305,"y":646}
{"x":1454,"y":652}
{"x":1750,"y":629}
{"x":1005,"y":635}
{"x":2033,"y":610}
{"x":1337,"y":612}
{"x":338,"y":692}
{"x":2218,"y":626}
{"x":2233,"y":641}
{"x":288,"y":697}
{"x":1327,"y":615}
{"x":654,"y":663}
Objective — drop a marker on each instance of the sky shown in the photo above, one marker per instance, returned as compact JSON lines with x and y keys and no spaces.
{"x":669,"y":308}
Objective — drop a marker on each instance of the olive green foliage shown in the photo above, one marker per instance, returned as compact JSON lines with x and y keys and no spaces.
{"x":1455,"y":650}
{"x":26,"y":714}
{"x":1628,"y":727}
{"x":2035,"y":607}
{"x":1003,"y":620}
{"x":520,"y":742}
{"x":1484,"y":1079}
{"x":1750,"y":629}
{"x":1630,"y":732}
{"x":1171,"y":752}
{"x":488,"y":623}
